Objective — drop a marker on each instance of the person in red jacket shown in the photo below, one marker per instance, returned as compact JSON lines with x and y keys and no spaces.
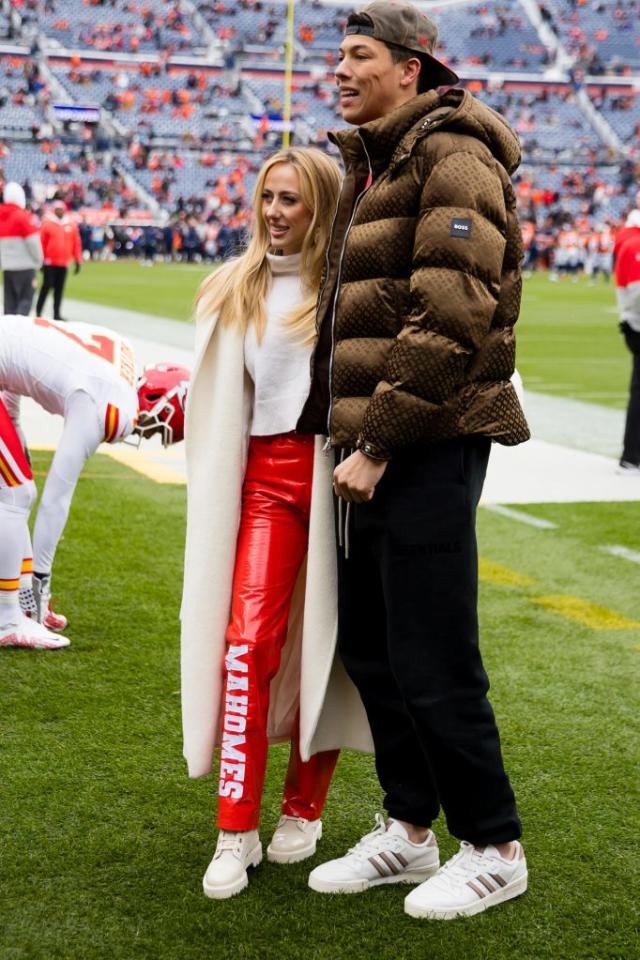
{"x":628,"y":292}
{"x":60,"y":245}
{"x":20,"y":250}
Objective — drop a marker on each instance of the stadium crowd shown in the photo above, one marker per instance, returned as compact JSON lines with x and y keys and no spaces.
{"x":169,"y":169}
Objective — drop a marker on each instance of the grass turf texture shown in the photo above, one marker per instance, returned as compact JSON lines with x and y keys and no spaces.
{"x":568,"y":339}
{"x":104,"y":840}
{"x":163,"y":290}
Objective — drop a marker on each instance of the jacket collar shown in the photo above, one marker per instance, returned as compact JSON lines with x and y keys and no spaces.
{"x":389,"y":140}
{"x":381,"y":137}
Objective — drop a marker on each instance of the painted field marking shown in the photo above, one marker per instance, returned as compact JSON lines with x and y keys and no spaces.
{"x":148,"y":468}
{"x":494,"y":573}
{"x":588,"y":614}
{"x":617,"y":551}
{"x":570,"y":608}
{"x":133,"y":459}
{"x":520,"y":516}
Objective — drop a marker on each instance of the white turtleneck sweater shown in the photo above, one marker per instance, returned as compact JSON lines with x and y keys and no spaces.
{"x":278,"y":366}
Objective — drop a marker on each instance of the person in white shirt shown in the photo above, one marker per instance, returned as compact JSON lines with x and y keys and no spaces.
{"x":87,"y":375}
{"x":256,"y":329}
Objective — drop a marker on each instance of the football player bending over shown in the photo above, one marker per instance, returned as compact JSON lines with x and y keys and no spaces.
{"x":87,"y":375}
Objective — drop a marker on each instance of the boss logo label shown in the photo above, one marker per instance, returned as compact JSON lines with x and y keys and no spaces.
{"x":460,"y":228}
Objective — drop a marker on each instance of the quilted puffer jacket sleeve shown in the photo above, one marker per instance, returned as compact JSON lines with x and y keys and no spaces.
{"x":456,"y":271}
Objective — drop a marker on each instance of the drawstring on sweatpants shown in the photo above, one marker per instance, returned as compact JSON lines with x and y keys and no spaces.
{"x":343,"y":528}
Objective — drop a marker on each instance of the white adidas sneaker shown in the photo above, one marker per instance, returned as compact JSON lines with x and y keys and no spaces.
{"x":294,"y":839}
{"x":470,"y":882}
{"x":386,"y":855}
{"x":227,"y":873}
{"x":32,"y":635}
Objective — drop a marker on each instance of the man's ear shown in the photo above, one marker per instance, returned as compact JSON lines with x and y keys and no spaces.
{"x":410,"y":70}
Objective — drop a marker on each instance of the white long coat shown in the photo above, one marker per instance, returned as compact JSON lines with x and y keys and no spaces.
{"x":311,"y":673}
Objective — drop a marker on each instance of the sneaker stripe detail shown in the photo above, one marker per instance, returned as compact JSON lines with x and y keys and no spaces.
{"x":401,"y":860}
{"x":389,"y":862}
{"x":381,"y":870}
{"x":481,"y":893}
{"x":486,"y":883}
{"x":498,"y":879}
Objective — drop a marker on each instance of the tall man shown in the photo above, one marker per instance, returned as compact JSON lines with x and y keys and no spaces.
{"x":60,"y":245}
{"x":20,"y":250}
{"x":411,"y":380}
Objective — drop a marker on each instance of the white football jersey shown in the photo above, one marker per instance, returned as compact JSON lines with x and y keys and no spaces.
{"x":50,"y":360}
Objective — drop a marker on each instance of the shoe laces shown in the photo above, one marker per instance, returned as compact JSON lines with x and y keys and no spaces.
{"x":464,"y":866}
{"x":372,"y":842}
{"x":300,"y":822}
{"x":229,"y":842}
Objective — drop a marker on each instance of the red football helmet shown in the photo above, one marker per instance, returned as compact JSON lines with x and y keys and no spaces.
{"x":162,"y":394}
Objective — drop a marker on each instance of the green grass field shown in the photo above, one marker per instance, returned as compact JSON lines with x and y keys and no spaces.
{"x":103,"y":839}
{"x":163,"y":290}
{"x":568,"y":341}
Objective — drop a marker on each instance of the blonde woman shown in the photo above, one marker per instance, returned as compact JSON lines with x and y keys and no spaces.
{"x":259,"y":605}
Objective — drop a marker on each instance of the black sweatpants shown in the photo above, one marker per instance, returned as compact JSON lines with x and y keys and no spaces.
{"x":408,"y":636}
{"x":54,"y":278}
{"x":18,"y":291}
{"x":631,"y":447}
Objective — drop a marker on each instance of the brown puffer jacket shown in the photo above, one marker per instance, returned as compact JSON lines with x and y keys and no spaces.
{"x":422,"y":286}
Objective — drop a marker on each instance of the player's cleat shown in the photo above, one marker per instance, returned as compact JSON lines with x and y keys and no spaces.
{"x":42,"y":599}
{"x":55,"y":621}
{"x":28,"y":633}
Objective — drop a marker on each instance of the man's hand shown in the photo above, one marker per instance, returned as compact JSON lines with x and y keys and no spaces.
{"x":356,"y":477}
{"x":77,"y":269}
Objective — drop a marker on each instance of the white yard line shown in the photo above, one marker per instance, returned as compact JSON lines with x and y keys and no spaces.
{"x":520,"y":516}
{"x":617,"y":551}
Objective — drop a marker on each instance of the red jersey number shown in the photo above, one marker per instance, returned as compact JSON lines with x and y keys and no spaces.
{"x":97,"y":343}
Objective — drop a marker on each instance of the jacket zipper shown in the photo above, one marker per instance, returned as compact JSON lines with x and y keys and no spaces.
{"x":327,"y":445}
{"x":320,"y":293}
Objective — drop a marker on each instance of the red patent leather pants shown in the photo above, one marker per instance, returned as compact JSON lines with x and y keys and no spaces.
{"x":272,"y":544}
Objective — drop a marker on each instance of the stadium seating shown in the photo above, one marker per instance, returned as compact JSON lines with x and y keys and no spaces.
{"x":190,"y":133}
{"x":121,"y":25}
{"x":172,"y":104}
{"x":20,"y":99}
{"x":604,"y":35}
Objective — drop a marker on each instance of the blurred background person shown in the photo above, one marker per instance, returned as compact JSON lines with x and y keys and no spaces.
{"x":628,"y":292}
{"x":20,"y":250}
{"x":60,"y":245}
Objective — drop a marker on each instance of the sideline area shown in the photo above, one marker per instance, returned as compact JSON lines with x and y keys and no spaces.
{"x":571,"y":457}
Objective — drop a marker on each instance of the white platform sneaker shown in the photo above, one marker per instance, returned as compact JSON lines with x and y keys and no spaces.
{"x":386,"y":855}
{"x":294,"y":839}
{"x":468,"y":883}
{"x":227,"y":873}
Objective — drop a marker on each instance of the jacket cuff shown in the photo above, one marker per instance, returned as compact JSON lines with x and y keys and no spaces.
{"x":372,"y":449}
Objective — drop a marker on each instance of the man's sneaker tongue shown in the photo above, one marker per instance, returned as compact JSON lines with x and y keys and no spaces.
{"x":395,"y":828}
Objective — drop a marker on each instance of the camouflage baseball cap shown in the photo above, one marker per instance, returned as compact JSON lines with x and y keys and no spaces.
{"x":403,"y":25}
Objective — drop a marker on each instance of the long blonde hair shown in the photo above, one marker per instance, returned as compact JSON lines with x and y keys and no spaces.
{"x":238,"y":290}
